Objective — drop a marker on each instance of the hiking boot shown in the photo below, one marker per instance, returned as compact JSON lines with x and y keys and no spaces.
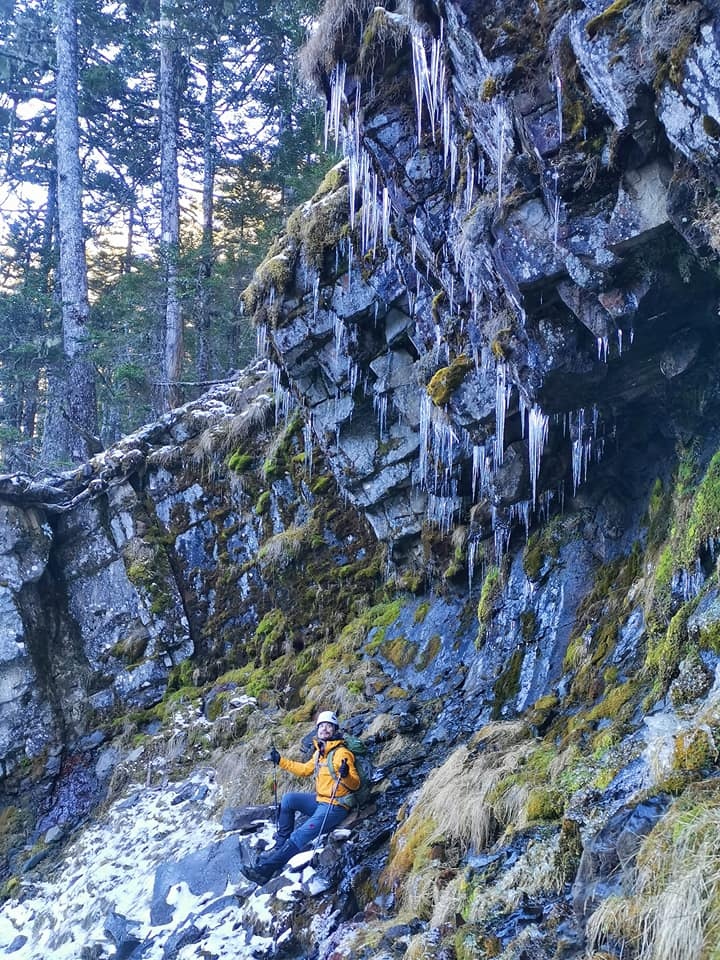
{"x":255,"y":873}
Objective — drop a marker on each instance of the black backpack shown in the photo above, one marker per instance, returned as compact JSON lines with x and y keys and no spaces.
{"x":364,"y":766}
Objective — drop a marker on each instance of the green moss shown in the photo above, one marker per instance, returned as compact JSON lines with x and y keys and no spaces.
{"x":595,"y":24}
{"x":489,"y":593}
{"x":320,"y":484}
{"x":430,"y":652}
{"x":335,"y":178}
{"x":670,"y":64}
{"x":489,"y":89}
{"x":665,"y":651}
{"x":659,"y":510}
{"x":374,"y":621}
{"x":239,"y":462}
{"x":421,"y":612}
{"x":508,"y":683}
{"x":542,"y":546}
{"x":573,"y":117}
{"x":130,"y":649}
{"x":704,"y":521}
{"x":399,"y":651}
{"x":694,"y":751}
{"x":528,"y":625}
{"x":269,"y":635}
{"x":151,"y":574}
{"x":262,"y":504}
{"x":446,"y":380}
{"x":544,"y":803}
{"x":709,"y":637}
{"x":13,"y":827}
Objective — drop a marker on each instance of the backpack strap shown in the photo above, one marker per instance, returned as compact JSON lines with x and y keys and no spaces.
{"x":331,"y":768}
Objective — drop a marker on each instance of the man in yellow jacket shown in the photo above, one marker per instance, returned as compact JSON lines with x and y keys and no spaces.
{"x":325,"y":809}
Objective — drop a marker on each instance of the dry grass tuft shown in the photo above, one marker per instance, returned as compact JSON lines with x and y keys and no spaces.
{"x":473,"y":794}
{"x":283,"y":549}
{"x":467,"y":801}
{"x":673,"y":912}
{"x":223,"y":437}
{"x":338,"y":23}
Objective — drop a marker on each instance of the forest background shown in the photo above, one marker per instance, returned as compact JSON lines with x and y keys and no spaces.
{"x":150,"y":151}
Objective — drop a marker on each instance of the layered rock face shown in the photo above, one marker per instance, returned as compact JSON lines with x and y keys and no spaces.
{"x":513,"y":274}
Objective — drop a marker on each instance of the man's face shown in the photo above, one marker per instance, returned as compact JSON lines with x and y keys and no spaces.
{"x":326,"y":731}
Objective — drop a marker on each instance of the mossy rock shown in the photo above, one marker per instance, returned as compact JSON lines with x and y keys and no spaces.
{"x":399,"y":651}
{"x":508,"y":683}
{"x":605,"y":17}
{"x":704,"y":522}
{"x":544,"y":803}
{"x":446,"y":380}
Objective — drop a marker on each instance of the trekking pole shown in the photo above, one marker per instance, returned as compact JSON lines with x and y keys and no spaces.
{"x":322,"y":826}
{"x":275,"y":794}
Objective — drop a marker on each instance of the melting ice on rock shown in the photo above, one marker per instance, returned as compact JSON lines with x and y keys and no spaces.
{"x":308,"y":446}
{"x":380,"y":403}
{"x":502,"y":397}
{"x":261,"y":340}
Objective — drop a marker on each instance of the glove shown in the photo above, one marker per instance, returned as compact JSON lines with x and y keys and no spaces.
{"x":274,"y":756}
{"x":344,"y":769}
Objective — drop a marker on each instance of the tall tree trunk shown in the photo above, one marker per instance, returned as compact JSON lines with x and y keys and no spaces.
{"x":71,"y":424}
{"x":129,"y":249}
{"x":204,"y":359}
{"x":170,"y":206}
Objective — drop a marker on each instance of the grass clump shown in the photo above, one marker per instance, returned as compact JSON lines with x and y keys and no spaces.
{"x":672,"y":911}
{"x":239,"y":461}
{"x":704,"y":522}
{"x":475,"y":794}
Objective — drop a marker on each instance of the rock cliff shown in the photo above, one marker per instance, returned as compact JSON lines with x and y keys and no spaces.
{"x":469,"y":496}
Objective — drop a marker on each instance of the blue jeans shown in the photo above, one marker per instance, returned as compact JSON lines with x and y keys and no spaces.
{"x":306,"y":803}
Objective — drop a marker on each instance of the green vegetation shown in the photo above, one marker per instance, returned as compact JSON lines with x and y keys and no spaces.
{"x":446,"y":380}
{"x":704,"y":521}
{"x":239,"y":461}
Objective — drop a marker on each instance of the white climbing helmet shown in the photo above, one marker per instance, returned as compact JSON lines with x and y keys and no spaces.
{"x":327,"y":716}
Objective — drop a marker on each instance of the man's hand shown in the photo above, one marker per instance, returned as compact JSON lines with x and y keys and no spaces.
{"x":274,"y":756}
{"x":344,"y":769}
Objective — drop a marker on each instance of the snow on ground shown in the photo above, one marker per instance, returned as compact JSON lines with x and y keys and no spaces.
{"x":110,"y":866}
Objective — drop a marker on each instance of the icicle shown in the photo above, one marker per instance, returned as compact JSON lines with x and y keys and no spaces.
{"x":521,"y":511}
{"x":425,"y":421}
{"x":620,"y":341}
{"x":316,"y":296}
{"x":558,"y":92}
{"x":471,"y":552}
{"x":385,"y":215}
{"x":501,"y":118}
{"x":502,"y":394}
{"x":537,"y":437}
{"x":556,"y":212}
{"x":522,"y":403}
{"x":308,"y":446}
{"x":337,"y":95}
{"x":469,"y":182}
{"x":261,"y":340}
{"x":602,"y":348}
{"x":380,"y":404}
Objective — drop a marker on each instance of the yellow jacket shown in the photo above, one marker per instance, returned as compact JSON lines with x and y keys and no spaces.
{"x":317,"y":764}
